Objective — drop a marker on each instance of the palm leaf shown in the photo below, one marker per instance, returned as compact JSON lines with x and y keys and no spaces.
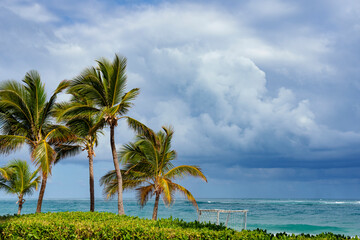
{"x":13,"y":98}
{"x":167,"y":191}
{"x":185,"y":192}
{"x":110,"y":183}
{"x":126,"y":102}
{"x":5,"y":173}
{"x":118,"y":79}
{"x":144,"y":194}
{"x":44,"y":156}
{"x":141,"y":129}
{"x":48,"y":110}
{"x":9,"y":143}
{"x":66,"y":150}
{"x":89,"y":84}
{"x":185,"y":170}
{"x":37,"y":94}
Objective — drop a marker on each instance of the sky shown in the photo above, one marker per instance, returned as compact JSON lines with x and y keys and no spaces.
{"x":263,"y":95}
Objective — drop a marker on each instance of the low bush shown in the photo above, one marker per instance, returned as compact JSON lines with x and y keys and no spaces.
{"x":100,"y":225}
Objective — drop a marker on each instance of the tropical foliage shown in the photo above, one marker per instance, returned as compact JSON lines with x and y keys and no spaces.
{"x":150,"y":170}
{"x":105,"y":86}
{"x":86,"y":129}
{"x":16,"y":178}
{"x":97,"y":225}
{"x":25,"y":118}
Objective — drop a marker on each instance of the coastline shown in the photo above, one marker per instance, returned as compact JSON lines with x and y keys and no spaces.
{"x":283,"y":215}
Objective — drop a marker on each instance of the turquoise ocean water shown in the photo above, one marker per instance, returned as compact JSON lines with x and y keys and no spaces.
{"x":291,"y":216}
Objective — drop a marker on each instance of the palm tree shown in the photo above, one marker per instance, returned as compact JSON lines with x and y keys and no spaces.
{"x":105,"y":87}
{"x":86,"y":128}
{"x":17,"y":178}
{"x":149,"y":169}
{"x":25,"y":118}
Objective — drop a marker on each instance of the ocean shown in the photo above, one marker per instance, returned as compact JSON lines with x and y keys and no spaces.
{"x":274,"y":215}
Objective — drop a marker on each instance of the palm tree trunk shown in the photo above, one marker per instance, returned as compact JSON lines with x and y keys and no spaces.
{"x":117,"y":170}
{"x":41,"y":193}
{"x":91,"y":179}
{"x":21,"y":202}
{"x":156,"y":206}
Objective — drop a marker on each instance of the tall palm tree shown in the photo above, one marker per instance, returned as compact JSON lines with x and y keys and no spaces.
{"x":25,"y":118}
{"x":86,"y":129}
{"x":105,"y":87}
{"x":17,"y":179}
{"x":149,"y":169}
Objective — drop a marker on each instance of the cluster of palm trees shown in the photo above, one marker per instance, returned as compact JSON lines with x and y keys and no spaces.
{"x":54,"y":131}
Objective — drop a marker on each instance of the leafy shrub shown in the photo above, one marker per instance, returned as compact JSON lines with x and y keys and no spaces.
{"x":100,"y":225}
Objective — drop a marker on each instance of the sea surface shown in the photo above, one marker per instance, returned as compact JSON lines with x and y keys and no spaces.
{"x":274,"y":215}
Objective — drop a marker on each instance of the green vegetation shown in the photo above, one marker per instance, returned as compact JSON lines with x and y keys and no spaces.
{"x":25,"y":117}
{"x":95,"y":225}
{"x":149,"y":169}
{"x":16,"y":178}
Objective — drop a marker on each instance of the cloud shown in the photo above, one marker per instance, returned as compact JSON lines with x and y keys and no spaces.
{"x":30,"y":11}
{"x":224,"y":106}
{"x":198,"y":67}
{"x":270,"y":10}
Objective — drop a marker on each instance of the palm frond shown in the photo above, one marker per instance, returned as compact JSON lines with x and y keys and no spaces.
{"x":185,"y":170}
{"x":144,"y":194}
{"x":48,"y":110}
{"x":13,"y":100}
{"x":60,"y":134}
{"x":185,"y":192}
{"x":5,"y":172}
{"x":44,"y":156}
{"x":126,"y":102}
{"x":167,"y":191}
{"x":77,"y":110}
{"x":89,"y":84}
{"x":141,"y":129}
{"x":117,"y":83}
{"x":105,"y":71}
{"x":66,"y":150}
{"x":110,"y":184}
{"x":108,"y":178}
{"x":37,"y":95}
{"x":4,"y":184}
{"x":10,"y":124}
{"x":131,"y":152}
{"x":9,"y":143}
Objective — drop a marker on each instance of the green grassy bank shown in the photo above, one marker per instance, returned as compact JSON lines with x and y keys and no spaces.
{"x":86,"y":225}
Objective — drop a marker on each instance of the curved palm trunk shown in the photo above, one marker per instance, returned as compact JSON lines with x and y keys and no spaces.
{"x":117,"y":170}
{"x":21,"y":202}
{"x":156,"y":206}
{"x":41,"y":193}
{"x":91,"y":180}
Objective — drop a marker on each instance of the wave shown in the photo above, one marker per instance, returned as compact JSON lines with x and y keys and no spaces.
{"x":301,"y":228}
{"x":277,"y":201}
{"x":340,"y":202}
